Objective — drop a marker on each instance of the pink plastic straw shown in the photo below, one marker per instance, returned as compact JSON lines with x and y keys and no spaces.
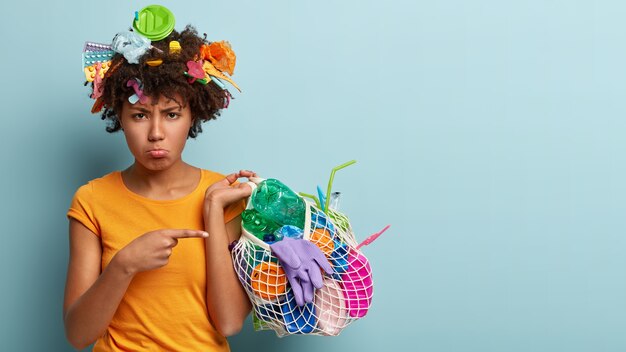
{"x":372,"y":238}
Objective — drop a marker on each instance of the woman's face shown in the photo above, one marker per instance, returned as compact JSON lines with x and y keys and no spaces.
{"x":156,"y":134}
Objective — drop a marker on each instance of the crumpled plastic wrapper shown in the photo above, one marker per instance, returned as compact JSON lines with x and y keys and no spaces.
{"x":131,"y":45}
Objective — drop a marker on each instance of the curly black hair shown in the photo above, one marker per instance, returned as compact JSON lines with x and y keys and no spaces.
{"x":166,"y":79}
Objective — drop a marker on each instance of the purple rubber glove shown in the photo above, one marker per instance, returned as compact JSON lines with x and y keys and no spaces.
{"x":302,"y":261}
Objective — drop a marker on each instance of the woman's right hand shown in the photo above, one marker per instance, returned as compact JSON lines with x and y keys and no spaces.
{"x":152,"y":250}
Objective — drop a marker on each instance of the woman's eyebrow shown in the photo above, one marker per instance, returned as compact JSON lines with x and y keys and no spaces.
{"x":140,"y":109}
{"x":169,"y":109}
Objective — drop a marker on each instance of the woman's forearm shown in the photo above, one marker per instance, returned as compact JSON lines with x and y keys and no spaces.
{"x":88,"y":318}
{"x":227,"y":302}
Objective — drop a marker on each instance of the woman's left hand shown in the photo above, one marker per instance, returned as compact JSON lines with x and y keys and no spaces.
{"x":222,"y":193}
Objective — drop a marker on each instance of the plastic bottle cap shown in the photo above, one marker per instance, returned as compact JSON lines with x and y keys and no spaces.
{"x":154,"y":22}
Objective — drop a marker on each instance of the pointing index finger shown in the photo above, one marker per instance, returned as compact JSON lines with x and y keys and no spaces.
{"x":185,"y":233}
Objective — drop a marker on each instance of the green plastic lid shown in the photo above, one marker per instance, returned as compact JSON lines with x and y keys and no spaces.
{"x":154,"y":22}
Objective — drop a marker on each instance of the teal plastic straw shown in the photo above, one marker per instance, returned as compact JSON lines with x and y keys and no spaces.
{"x":320,"y":194}
{"x":332,"y":177}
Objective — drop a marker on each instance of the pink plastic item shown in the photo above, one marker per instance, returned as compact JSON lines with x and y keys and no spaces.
{"x":97,"y":81}
{"x":194,"y":69}
{"x":357,"y":284}
{"x":331,"y":308}
{"x":138,"y":96}
{"x":372,"y":238}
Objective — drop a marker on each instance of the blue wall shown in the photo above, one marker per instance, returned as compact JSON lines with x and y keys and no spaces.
{"x":490,"y":134}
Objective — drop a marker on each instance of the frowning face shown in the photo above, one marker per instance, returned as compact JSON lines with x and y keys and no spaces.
{"x":156,"y":134}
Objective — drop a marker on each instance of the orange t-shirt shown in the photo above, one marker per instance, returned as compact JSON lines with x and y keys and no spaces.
{"x":163,"y":309}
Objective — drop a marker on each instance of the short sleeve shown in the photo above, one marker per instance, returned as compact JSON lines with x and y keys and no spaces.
{"x":233,"y":210}
{"x":81,"y":208}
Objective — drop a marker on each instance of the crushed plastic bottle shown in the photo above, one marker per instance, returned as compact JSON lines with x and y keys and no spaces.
{"x":279,"y":203}
{"x":257,"y":224}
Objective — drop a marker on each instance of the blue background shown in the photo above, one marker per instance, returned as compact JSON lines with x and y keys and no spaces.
{"x":489,"y":134}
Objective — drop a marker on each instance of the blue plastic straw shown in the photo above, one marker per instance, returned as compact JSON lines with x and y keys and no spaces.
{"x":320,"y":193}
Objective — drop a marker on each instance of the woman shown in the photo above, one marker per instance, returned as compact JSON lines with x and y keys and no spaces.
{"x":150,"y":266}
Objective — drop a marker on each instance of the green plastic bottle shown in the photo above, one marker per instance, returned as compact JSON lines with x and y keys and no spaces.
{"x":256,"y":224}
{"x":279,"y":203}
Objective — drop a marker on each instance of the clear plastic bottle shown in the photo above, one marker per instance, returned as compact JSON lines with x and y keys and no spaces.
{"x":334,"y":200}
{"x":277,"y":202}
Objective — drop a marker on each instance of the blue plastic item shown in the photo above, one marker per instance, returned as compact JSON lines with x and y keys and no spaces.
{"x":288,"y":231}
{"x":298,"y":320}
{"x":318,"y":220}
{"x":322,"y":197}
{"x":339,"y":257}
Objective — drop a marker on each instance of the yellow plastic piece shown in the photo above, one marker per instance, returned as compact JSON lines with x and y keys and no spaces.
{"x":155,"y":62}
{"x":90,"y":71}
{"x":175,"y":47}
{"x":212,"y":71}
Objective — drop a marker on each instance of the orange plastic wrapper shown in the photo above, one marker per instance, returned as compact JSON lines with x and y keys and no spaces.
{"x":221,"y":56}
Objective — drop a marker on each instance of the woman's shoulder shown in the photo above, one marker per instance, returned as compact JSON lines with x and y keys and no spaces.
{"x":103,"y":183}
{"x":211,"y":176}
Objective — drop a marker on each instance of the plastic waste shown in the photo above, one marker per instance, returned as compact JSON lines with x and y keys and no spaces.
{"x":301,"y":261}
{"x":268,"y":280}
{"x":154,"y":22}
{"x":334,"y":200}
{"x":298,"y":319}
{"x":257,"y":224}
{"x":330,"y":308}
{"x":279,"y":203}
{"x":357,"y":284}
{"x":288,"y":231}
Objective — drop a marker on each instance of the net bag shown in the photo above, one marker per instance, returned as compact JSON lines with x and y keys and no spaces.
{"x":346,"y":294}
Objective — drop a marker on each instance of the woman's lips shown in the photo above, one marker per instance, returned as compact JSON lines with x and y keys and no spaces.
{"x":158,"y":153}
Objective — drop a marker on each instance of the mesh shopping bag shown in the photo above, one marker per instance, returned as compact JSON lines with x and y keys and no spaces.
{"x":346,"y":294}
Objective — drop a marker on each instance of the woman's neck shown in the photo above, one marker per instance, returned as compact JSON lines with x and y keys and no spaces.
{"x":146,"y":181}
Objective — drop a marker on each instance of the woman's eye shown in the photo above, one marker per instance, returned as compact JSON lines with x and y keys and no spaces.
{"x":172,"y":115}
{"x":139,"y":116}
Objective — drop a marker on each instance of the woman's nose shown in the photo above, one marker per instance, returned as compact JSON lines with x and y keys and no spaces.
{"x":156,"y":130}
